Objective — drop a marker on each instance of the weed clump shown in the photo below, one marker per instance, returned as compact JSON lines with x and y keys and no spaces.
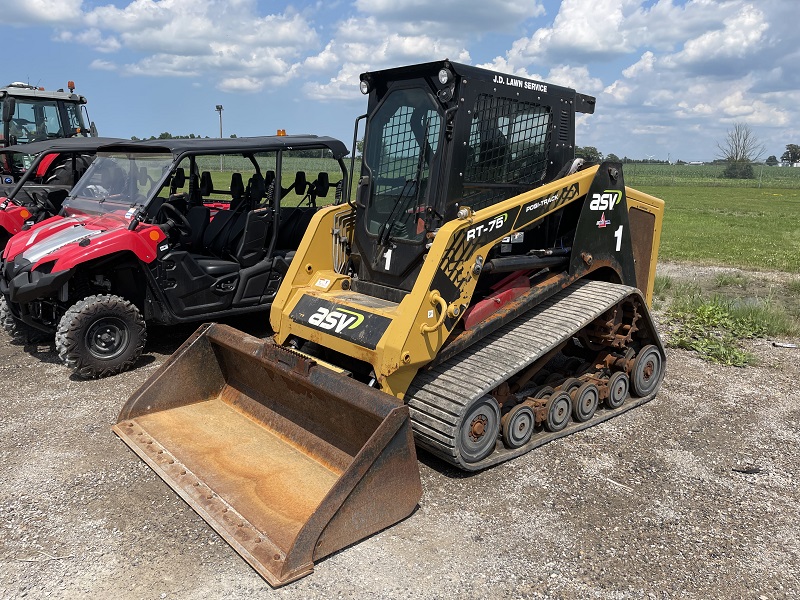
{"x":715,"y":327}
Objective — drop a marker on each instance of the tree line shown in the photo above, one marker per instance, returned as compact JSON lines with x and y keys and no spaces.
{"x":738,"y":151}
{"x":168,"y":136}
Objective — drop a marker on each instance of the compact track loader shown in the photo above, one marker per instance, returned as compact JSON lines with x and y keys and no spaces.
{"x":483,"y":294}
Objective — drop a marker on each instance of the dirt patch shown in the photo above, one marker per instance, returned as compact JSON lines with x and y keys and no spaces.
{"x":693,"y":495}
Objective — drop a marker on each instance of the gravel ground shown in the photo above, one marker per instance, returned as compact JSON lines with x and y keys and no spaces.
{"x":693,"y":495}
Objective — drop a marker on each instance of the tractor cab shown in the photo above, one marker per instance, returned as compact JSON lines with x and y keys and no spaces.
{"x":441,"y":137}
{"x":32,"y":114}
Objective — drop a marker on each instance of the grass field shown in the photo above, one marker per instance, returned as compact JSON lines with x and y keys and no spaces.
{"x":742,"y":227}
{"x":707,"y":219}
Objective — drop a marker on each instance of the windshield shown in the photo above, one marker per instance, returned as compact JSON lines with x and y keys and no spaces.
{"x":36,"y":120}
{"x":118,"y":182}
{"x":75,"y":122}
{"x":402,"y":141}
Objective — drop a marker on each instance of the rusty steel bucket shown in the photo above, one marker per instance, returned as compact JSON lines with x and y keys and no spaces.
{"x":285,"y":458}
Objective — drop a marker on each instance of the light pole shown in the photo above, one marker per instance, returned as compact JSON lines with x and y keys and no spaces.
{"x":219,"y":109}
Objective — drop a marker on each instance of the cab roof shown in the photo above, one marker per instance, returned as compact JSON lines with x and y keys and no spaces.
{"x":178,"y":147}
{"x":71,"y":144}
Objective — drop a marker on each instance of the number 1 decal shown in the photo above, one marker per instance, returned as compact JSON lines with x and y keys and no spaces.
{"x":618,"y":235}
{"x":388,"y":256}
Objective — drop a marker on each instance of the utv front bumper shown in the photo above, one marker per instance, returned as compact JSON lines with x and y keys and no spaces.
{"x":20,"y":284}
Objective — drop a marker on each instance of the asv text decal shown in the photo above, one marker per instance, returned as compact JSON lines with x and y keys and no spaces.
{"x":605,"y":201}
{"x":336,"y":320}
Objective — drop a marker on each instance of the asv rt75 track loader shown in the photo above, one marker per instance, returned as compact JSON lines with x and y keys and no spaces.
{"x":482,"y":292}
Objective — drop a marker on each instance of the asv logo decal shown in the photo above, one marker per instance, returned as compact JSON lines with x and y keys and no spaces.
{"x":605,"y":201}
{"x":484,"y":228}
{"x":336,"y":320}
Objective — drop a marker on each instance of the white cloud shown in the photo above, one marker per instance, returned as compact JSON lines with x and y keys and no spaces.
{"x":367,"y":44}
{"x":580,"y":29}
{"x":91,"y":37}
{"x":645,"y":65}
{"x":241,"y":84}
{"x":739,"y":36}
{"x":102,"y":65}
{"x":37,"y":12}
{"x":577,"y":78}
{"x":226,"y":39}
{"x":453,"y":17}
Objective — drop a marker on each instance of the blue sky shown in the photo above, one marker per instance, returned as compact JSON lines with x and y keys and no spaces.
{"x":671,"y":76}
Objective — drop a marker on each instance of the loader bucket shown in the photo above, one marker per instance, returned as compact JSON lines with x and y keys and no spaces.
{"x":285,"y":458}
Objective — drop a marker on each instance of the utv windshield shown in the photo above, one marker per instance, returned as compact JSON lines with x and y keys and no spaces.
{"x":118,"y":182}
{"x":402,"y":142}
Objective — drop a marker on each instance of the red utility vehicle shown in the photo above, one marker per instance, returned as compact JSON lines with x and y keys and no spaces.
{"x":133,"y":245}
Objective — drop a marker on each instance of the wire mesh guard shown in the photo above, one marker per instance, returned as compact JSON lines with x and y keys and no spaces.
{"x":509,"y":142}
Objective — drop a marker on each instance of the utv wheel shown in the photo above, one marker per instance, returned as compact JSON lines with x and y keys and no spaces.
{"x":478,"y":430}
{"x":646,"y":372}
{"x":19,"y":331}
{"x":100,"y":336}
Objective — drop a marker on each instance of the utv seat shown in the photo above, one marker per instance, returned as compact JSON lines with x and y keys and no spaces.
{"x":249,"y":236}
{"x":293,"y":225}
{"x":237,"y":191}
{"x":256,"y":189}
{"x":206,"y":184}
{"x":215,"y":236}
{"x":199,"y":218}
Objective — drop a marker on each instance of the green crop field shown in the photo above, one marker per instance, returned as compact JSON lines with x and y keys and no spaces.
{"x":741,"y":227}
{"x":641,"y":174}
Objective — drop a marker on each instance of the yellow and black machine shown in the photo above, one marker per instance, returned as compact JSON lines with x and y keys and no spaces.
{"x":484,"y":293}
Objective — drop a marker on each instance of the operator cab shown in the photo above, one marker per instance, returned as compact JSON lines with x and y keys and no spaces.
{"x":441,"y":136}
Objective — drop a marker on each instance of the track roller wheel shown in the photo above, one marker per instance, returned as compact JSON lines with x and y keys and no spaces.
{"x":584,"y":402}
{"x":558,"y":409}
{"x":618,"y":387}
{"x":570,"y":384}
{"x":518,"y":426}
{"x":543,"y":391}
{"x":478,"y":430}
{"x":646,"y":372}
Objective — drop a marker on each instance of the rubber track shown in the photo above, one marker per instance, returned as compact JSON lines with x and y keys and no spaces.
{"x":437,"y":398}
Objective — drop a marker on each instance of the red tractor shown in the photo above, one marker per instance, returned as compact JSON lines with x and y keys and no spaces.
{"x":32,"y":114}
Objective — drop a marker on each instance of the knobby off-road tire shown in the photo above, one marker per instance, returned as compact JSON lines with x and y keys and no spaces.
{"x":19,"y":331}
{"x":101,"y":335}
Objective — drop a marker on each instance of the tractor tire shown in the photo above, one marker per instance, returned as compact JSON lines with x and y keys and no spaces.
{"x":100,"y":336}
{"x":20,"y":332}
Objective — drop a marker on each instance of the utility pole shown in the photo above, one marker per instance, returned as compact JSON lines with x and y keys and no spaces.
{"x":219,"y":109}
